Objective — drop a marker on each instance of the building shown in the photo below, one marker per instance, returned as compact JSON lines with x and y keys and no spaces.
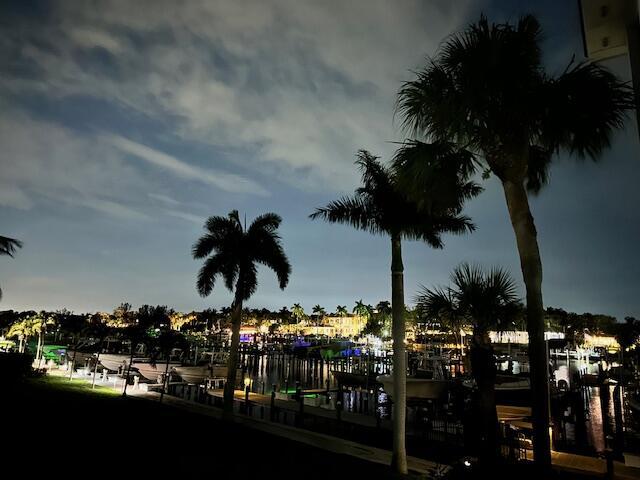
{"x":611,"y":28}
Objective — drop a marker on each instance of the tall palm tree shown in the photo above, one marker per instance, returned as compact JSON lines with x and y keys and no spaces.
{"x":298,"y":312}
{"x":8,"y":247}
{"x":379,"y":208}
{"x":233,"y":252}
{"x":486,"y":92}
{"x":486,"y":301}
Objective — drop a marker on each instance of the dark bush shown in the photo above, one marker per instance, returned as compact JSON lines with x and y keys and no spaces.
{"x":14,"y":367}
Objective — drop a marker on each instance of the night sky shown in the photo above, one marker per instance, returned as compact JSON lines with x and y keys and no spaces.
{"x":123,"y":125}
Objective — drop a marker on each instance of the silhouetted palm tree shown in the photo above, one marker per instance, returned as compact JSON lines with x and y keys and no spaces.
{"x":147,"y":319}
{"x":486,"y":301}
{"x":486,"y":92}
{"x":298,"y":312}
{"x":361,"y":309}
{"x":341,"y":311}
{"x":8,"y":247}
{"x":233,"y":252}
{"x":377,"y":207}
{"x":319,"y":313}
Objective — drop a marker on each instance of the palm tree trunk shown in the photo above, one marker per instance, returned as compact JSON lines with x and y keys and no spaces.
{"x":126,"y":378}
{"x":483,"y":369}
{"x":73,"y":364}
{"x":95,"y":370}
{"x":399,"y":458}
{"x":232,"y":362}
{"x":526,"y":238}
{"x":165,"y":378}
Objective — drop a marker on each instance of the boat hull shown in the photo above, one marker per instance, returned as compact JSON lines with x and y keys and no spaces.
{"x":153,"y":371}
{"x":198,"y":374}
{"x":114,"y":361}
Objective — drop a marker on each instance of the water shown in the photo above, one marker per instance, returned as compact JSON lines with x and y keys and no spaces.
{"x":284,"y":370}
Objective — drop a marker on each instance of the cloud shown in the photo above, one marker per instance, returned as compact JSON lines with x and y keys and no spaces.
{"x":43,"y":163}
{"x":288,"y":88}
{"x":186,"y":216}
{"x":12,"y":196}
{"x":225,"y":181}
{"x":164,"y":199}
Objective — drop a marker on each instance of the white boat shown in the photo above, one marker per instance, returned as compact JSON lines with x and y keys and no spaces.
{"x":153,"y":371}
{"x":198,"y":374}
{"x":114,"y":361}
{"x":417,"y":388}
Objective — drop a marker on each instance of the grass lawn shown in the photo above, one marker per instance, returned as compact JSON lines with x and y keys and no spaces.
{"x":66,"y":430}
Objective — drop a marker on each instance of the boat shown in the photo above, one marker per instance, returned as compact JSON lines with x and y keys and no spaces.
{"x":114,"y":361}
{"x":509,"y":389}
{"x":198,"y":374}
{"x":153,"y":370}
{"x":417,"y":388}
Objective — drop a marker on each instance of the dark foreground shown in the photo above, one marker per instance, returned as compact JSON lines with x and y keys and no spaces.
{"x":65,"y":430}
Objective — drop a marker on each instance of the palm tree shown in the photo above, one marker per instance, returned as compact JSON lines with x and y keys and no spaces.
{"x":486,"y":301}
{"x":379,"y":208}
{"x":361,"y":309}
{"x":298,"y":312}
{"x":384,"y":307}
{"x":146,"y":319}
{"x":487,"y":92}
{"x":341,"y":311}
{"x":319,"y":313}
{"x":232,"y":252}
{"x":8,"y":247}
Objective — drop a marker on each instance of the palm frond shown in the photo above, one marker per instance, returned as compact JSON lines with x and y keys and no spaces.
{"x":584,"y":106}
{"x":269,"y":252}
{"x":352,"y":211}
{"x":247,"y":281}
{"x":212,"y":267}
{"x":8,"y":245}
{"x":435,"y":175}
{"x":268,"y":222}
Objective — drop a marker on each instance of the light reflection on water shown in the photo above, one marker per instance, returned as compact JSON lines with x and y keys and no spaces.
{"x":315,"y":375}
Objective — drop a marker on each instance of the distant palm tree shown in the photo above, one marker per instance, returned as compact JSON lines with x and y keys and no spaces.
{"x":298,"y":312}
{"x":362,"y":310}
{"x":147,"y":319}
{"x":284,"y":315}
{"x":341,"y":311}
{"x":8,"y":247}
{"x":486,"y":91}
{"x":486,"y":301}
{"x":379,"y":208}
{"x":319,"y":313}
{"x":384,"y":307}
{"x":233,"y":252}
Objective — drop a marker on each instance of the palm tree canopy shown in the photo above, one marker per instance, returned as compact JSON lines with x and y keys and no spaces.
{"x":435,"y":175}
{"x":319,"y":310}
{"x":486,"y":90}
{"x":8,"y":245}
{"x":380,"y":208}
{"x":232,"y":252}
{"x":484,"y":299}
{"x":362,"y":309}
